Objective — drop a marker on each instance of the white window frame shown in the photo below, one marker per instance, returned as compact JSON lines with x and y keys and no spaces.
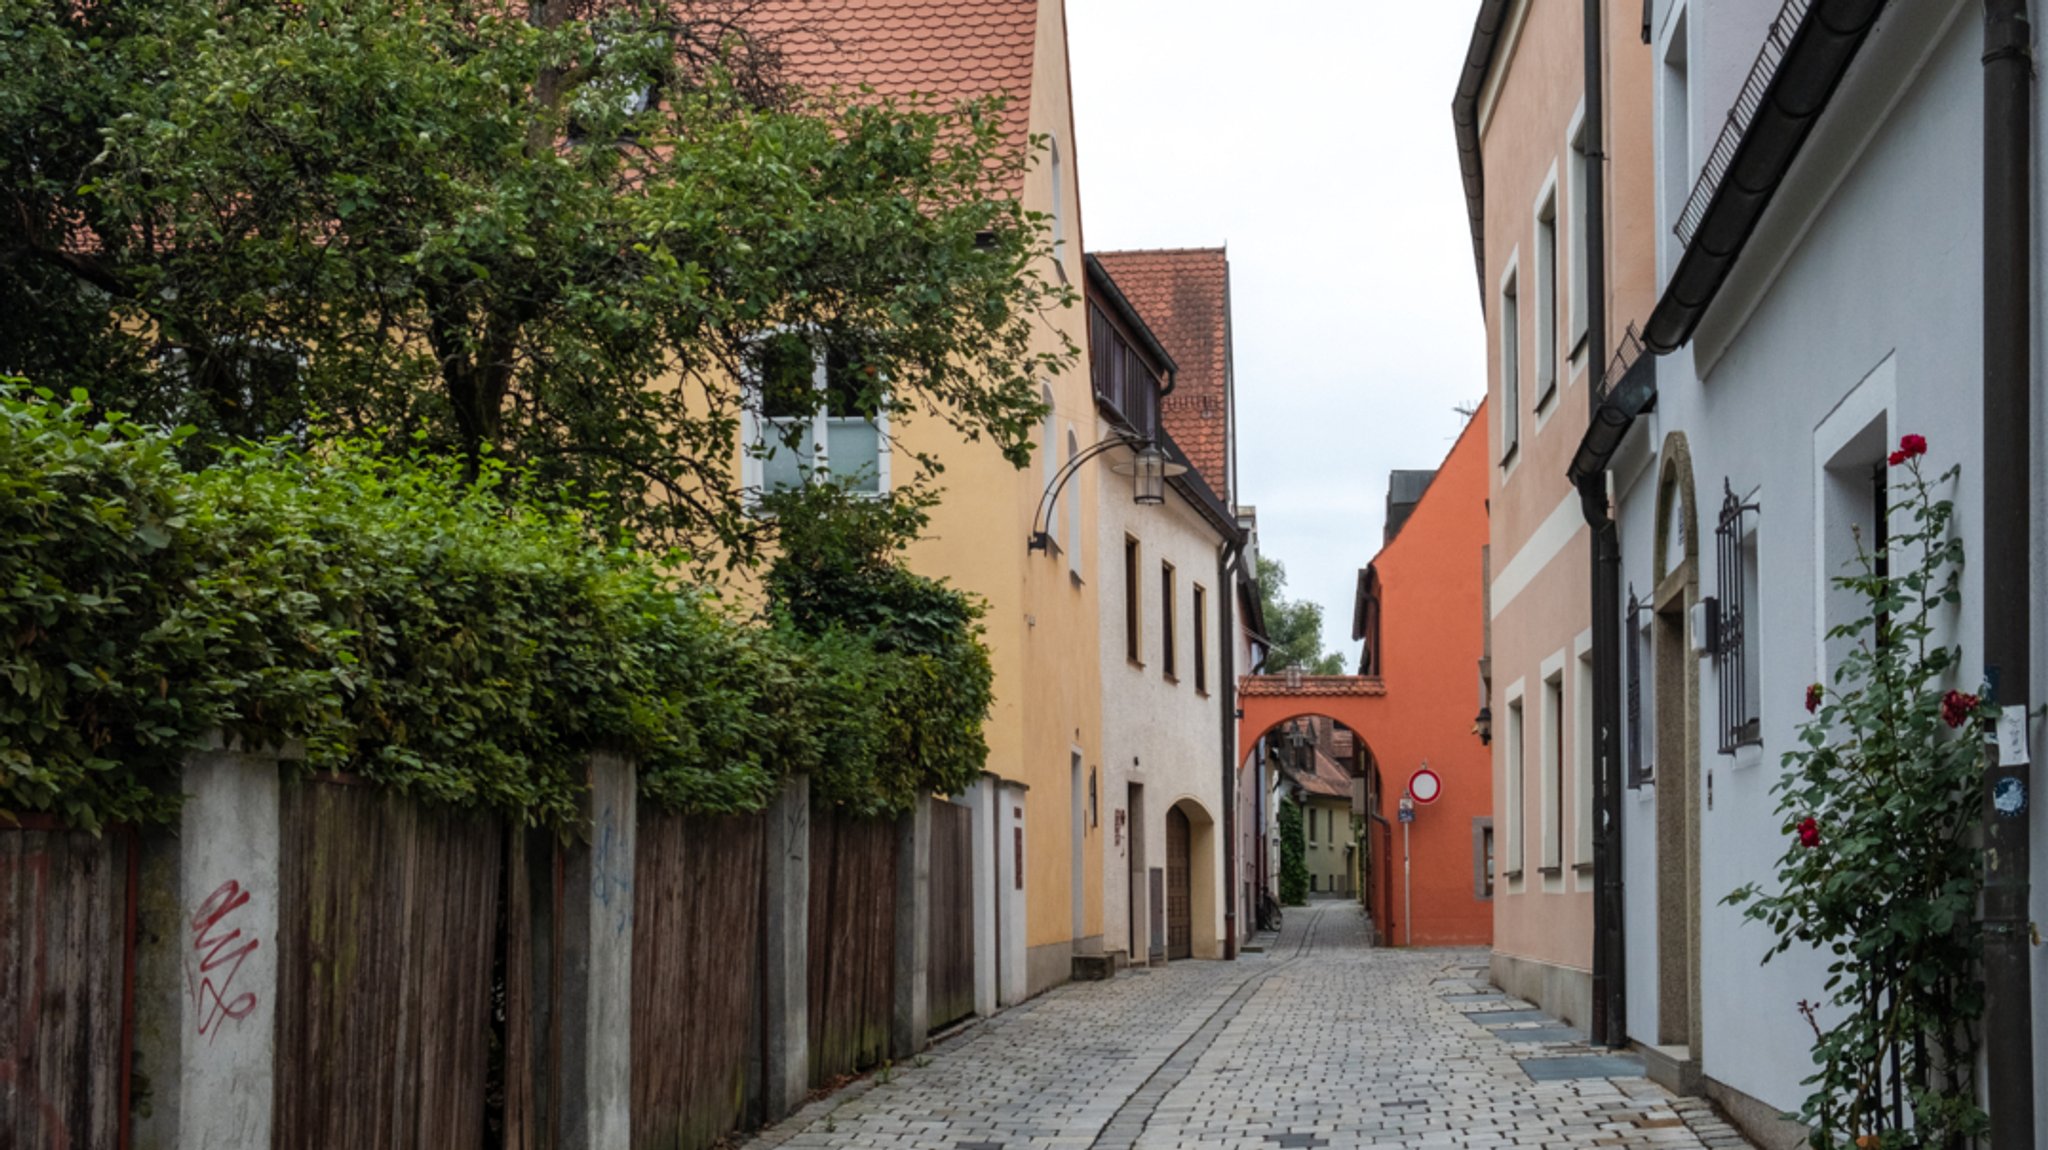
{"x":1509,"y":311}
{"x":1551,"y":779}
{"x":1059,"y":208}
{"x":1545,"y":220}
{"x":753,"y":423}
{"x":1583,"y":813}
{"x":1579,"y":201}
{"x":1512,"y":748}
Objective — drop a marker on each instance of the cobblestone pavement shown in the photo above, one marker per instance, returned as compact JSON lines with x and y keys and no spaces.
{"x":1321,"y":1041}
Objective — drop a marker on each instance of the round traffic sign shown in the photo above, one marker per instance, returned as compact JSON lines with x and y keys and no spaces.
{"x":1425,"y":786}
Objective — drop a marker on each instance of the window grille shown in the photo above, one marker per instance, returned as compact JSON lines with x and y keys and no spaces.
{"x":1739,"y":725}
{"x":1638,"y":765}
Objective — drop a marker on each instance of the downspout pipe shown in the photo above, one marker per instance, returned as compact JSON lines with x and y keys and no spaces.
{"x":2008,"y":540}
{"x":1609,"y":1022}
{"x":1228,"y":556}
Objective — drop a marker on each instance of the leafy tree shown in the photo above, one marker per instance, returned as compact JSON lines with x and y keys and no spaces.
{"x":554,"y":233}
{"x":1295,"y":627}
{"x":1293,"y":856}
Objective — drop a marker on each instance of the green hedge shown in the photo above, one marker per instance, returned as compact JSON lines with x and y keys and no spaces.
{"x":409,"y":623}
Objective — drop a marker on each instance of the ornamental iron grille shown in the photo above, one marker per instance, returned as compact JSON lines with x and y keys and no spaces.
{"x":1638,"y":767}
{"x":1739,"y":723}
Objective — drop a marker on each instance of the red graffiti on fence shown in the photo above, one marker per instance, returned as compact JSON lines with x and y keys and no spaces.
{"x":216,"y":951}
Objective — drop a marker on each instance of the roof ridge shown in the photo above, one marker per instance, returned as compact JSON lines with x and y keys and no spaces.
{"x":1223,"y":249}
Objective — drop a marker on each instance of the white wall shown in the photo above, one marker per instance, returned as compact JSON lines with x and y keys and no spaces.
{"x":1162,"y":734}
{"x":1884,"y":278}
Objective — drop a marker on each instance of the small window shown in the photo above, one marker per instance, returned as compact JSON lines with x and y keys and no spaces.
{"x":1736,"y":554}
{"x":1582,"y":763}
{"x":1059,"y":210}
{"x":1482,"y":858}
{"x":1166,"y":620}
{"x":1134,"y":627}
{"x":1048,"y":438}
{"x":1636,"y":637}
{"x":1201,"y":637}
{"x":1510,"y":370}
{"x":1552,"y":813}
{"x":1312,"y":880}
{"x":1582,"y":173}
{"x":1073,"y":514}
{"x":1517,"y":825}
{"x":810,"y":418}
{"x":1312,"y":827}
{"x":1546,"y":301}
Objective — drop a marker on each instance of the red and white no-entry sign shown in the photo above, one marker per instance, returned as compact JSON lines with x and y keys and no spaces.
{"x":1424,"y":785}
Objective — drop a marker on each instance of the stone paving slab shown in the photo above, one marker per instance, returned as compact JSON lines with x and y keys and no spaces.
{"x":1321,"y":1041}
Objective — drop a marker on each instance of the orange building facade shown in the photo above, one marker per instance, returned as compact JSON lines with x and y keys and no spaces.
{"x":1420,"y":611}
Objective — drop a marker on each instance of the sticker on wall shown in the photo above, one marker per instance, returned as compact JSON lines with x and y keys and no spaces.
{"x":2009,"y":797}
{"x":2012,"y":737}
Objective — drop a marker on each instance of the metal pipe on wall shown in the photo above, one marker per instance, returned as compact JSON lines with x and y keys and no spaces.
{"x":1228,"y":556}
{"x":1609,"y":1021}
{"x":2008,"y":542}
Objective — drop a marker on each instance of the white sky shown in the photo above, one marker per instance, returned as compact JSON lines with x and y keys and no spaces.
{"x":1314,"y":138}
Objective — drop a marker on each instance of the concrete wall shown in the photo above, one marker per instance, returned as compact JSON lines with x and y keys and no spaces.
{"x":1856,"y":310}
{"x":1158,"y":732}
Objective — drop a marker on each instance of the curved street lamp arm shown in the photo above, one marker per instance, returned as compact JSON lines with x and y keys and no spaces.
{"x":1040,"y":521}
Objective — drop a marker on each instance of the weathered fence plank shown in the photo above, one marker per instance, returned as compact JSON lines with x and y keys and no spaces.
{"x":696,"y":963}
{"x":852,"y":942}
{"x":64,"y":985}
{"x":387,"y":931}
{"x":950,"y":973}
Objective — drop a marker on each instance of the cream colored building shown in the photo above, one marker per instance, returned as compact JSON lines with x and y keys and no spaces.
{"x":1043,"y":606}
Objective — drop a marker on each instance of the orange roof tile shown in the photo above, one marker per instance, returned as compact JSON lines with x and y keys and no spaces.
{"x":1184,"y":295}
{"x":1310,"y":685}
{"x":951,"y":50}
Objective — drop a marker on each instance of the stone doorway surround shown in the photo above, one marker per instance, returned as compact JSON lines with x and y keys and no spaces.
{"x":1677,"y":763}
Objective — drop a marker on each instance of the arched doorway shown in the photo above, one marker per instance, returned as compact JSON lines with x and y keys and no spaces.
{"x":1676,"y":739}
{"x":1180,"y":892}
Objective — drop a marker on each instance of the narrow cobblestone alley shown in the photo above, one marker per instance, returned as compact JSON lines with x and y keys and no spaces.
{"x":1320,"y":1041}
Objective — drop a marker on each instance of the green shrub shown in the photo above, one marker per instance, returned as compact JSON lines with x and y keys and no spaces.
{"x":407,"y":621}
{"x":1293,"y":856}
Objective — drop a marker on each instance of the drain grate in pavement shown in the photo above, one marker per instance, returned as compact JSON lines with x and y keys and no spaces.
{"x":1539,"y":1034}
{"x":1297,"y":1140}
{"x":1595,"y":1066}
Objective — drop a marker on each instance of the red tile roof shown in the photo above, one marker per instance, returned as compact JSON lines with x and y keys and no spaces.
{"x":1184,"y":295}
{"x":1328,"y":779}
{"x":1310,"y":685}
{"x":948,"y":49}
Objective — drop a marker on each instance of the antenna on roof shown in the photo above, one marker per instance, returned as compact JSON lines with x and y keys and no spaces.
{"x":1466,"y":410}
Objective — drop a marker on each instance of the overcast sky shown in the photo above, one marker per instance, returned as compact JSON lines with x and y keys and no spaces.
{"x":1314,"y":138}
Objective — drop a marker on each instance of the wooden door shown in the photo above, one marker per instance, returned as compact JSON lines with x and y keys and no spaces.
{"x":1180,"y":932}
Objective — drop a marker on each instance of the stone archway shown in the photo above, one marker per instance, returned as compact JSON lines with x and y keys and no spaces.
{"x":1676,"y":739}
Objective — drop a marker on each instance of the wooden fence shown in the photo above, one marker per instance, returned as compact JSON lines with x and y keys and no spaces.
{"x":949,"y":970}
{"x":388,"y":925}
{"x":66,"y":984}
{"x":852,"y":943}
{"x":697,"y":920}
{"x":420,"y":961}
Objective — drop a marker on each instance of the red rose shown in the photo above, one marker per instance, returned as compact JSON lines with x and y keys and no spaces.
{"x":1956,"y":707}
{"x":1896,"y":458}
{"x":1910,"y":446}
{"x":1809,"y":832}
{"x":1813,"y":695}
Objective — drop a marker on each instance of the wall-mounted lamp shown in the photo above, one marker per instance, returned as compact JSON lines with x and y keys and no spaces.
{"x":1149,"y":470}
{"x":1483,"y":726}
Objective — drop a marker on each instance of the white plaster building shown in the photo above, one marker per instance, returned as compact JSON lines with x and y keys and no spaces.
{"x":1800,"y":331}
{"x":1168,"y":649}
